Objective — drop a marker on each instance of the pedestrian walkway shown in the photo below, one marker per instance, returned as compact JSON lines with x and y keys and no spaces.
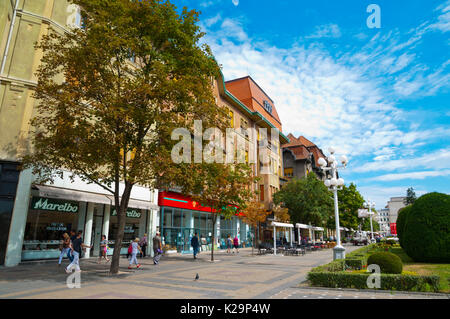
{"x":229,"y":276}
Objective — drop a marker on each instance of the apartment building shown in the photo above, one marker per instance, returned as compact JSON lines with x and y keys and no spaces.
{"x":33,"y":217}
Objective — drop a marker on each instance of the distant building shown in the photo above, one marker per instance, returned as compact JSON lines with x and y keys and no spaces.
{"x":300,"y":157}
{"x":394,"y":205}
{"x":383,"y":220}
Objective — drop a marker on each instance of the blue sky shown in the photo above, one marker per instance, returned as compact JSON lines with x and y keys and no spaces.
{"x":380,"y":96}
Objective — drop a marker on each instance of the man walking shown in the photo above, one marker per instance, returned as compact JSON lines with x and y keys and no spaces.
{"x":143,"y":243}
{"x":77,"y":246}
{"x":157,"y":248}
{"x":195,"y":245}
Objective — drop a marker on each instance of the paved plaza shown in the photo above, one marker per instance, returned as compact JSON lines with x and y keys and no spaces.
{"x":230,"y":276}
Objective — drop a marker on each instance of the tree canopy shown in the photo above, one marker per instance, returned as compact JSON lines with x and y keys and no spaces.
{"x":308,"y":200}
{"x":111,"y":93}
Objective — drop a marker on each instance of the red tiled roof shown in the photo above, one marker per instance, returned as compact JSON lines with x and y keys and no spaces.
{"x":301,"y":147}
{"x":251,"y":95}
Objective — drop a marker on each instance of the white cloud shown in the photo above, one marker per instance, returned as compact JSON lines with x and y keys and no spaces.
{"x":326,"y":31}
{"x":443,"y":20}
{"x":439,"y":159}
{"x":235,"y":2}
{"x":411,"y":175}
{"x":381,"y":194}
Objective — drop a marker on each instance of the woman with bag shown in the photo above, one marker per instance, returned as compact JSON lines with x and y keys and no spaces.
{"x":134,"y":250}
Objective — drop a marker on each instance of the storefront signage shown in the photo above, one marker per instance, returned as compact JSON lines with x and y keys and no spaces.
{"x":131,"y":213}
{"x":51,"y":204}
{"x":57,"y":227}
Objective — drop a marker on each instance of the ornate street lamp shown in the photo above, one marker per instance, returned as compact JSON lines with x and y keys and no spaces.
{"x":334,"y":184}
{"x":370,"y":204}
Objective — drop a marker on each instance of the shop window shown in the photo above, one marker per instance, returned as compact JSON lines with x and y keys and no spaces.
{"x":177,"y":218}
{"x":47,"y":220}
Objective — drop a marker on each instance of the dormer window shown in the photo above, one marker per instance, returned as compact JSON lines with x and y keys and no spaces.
{"x":267,"y":106}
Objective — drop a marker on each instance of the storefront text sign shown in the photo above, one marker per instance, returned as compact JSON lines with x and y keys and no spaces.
{"x":132,"y":213}
{"x":51,"y":204}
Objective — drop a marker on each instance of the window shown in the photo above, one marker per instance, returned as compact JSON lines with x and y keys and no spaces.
{"x":267,"y":106}
{"x":231,"y":115}
{"x":288,"y":172}
{"x":246,"y":157}
{"x":261,"y":193}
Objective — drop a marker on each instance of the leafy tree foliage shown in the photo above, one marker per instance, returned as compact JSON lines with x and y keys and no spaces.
{"x":349,"y":200}
{"x":253,"y":214}
{"x":308,"y":200}
{"x":224,"y":188}
{"x":111,"y":93}
{"x":410,"y":196}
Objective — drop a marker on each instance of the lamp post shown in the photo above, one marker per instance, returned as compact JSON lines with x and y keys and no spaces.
{"x":371,"y":204}
{"x":333,"y":184}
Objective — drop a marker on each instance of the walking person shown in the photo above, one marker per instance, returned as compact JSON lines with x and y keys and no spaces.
{"x":143,"y":243}
{"x":157,"y":248}
{"x":64,"y":247}
{"x":236,"y":244}
{"x":195,"y":245}
{"x":134,"y":250}
{"x":103,"y":250}
{"x":77,"y":246}
{"x":229,"y":244}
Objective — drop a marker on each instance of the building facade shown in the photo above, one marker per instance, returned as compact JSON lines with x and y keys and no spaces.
{"x":383,"y":220}
{"x":394,"y":205}
{"x":33,"y":217}
{"x":300,"y":157}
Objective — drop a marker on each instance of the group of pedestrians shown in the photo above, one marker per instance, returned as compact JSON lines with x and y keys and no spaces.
{"x":232,"y":243}
{"x":72,"y":247}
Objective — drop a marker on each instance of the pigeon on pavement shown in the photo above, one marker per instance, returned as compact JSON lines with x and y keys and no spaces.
{"x":196,"y":277}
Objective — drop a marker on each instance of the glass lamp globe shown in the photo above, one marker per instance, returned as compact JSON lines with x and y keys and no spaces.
{"x":344,"y":159}
{"x":322,"y":162}
{"x":340,"y":181}
{"x":327,"y":183}
{"x":333,"y":181}
{"x":331,"y":150}
{"x":331,"y":158}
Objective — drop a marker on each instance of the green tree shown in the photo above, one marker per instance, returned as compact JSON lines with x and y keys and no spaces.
{"x":410,"y":196}
{"x":111,"y":93}
{"x":253,"y":214}
{"x":308,"y":200}
{"x":225,"y":188}
{"x":350,"y":200}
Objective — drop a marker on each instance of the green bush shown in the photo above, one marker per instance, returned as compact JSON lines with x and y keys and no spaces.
{"x":335,"y":265}
{"x":387,"y":281}
{"x":401,"y":222}
{"x":355,"y":263}
{"x":388,"y":262}
{"x":426,"y":233}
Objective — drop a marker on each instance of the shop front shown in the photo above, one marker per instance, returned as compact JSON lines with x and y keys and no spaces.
{"x":54,"y":211}
{"x":181,"y":218}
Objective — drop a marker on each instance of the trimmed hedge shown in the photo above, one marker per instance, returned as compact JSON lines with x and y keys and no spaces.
{"x":401,"y":222}
{"x":388,"y":262}
{"x":387,"y":281}
{"x":426,"y":233}
{"x":335,"y":265}
{"x":355,"y":263}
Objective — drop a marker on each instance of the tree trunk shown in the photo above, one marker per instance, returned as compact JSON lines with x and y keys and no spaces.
{"x":121,"y":215}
